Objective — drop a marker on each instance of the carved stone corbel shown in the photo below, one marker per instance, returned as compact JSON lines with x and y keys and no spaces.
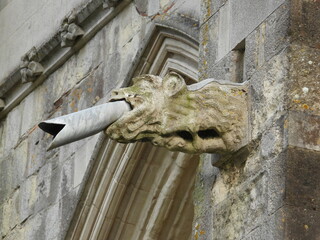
{"x":210,"y":116}
{"x":70,"y":31}
{"x":30,"y":68}
{"x":2,"y":104}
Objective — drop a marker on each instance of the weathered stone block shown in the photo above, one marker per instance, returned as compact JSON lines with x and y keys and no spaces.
{"x":10,"y":213}
{"x":203,"y":222}
{"x":67,"y":206}
{"x":277,"y":30}
{"x":224,"y":34}
{"x":37,"y":156}
{"x":302,"y":179}
{"x":67,"y":175}
{"x":276,"y":182}
{"x":228,"y":68}
{"x":268,"y":101}
{"x":242,"y":211}
{"x":271,"y":228}
{"x":13,"y":129}
{"x":301,"y":223}
{"x":255,"y":50}
{"x":55,"y":182}
{"x":30,"y":110}
{"x":247,"y":15}
{"x":34,"y":227}
{"x":303,"y":89}
{"x":6,"y":177}
{"x":208,"y":47}
{"x":305,"y":22}
{"x":304,"y":130}
{"x":237,"y":19}
{"x":209,"y":8}
{"x":28,"y":197}
{"x":19,"y":163}
{"x":52,"y":221}
{"x":267,"y":40}
{"x":16,"y":234}
{"x":43,"y":188}
{"x":274,"y":140}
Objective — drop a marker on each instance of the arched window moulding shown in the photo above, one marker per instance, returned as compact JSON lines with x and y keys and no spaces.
{"x":138,"y":191}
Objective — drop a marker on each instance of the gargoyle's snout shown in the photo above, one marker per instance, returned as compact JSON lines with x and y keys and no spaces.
{"x":78,"y":125}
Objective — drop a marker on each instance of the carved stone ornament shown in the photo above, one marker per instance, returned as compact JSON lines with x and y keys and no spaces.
{"x":210,"y":116}
{"x":70,"y":31}
{"x":110,"y":3}
{"x":30,"y":68}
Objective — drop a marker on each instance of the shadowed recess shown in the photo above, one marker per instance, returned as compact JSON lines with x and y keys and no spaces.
{"x":185,"y":135}
{"x":209,"y":133}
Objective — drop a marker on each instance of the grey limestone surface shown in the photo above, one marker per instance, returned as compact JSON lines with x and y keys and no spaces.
{"x":39,"y":190}
{"x":24,"y":24}
{"x":271,"y":193}
{"x":261,"y":195}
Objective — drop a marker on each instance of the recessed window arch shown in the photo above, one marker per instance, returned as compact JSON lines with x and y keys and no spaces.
{"x":138,"y":191}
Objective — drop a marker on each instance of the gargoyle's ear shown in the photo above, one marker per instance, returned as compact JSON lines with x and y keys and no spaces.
{"x":173,"y":83}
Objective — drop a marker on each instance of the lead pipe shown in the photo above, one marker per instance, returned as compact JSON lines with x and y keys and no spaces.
{"x":78,"y":125}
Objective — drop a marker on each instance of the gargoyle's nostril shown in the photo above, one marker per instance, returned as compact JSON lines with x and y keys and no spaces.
{"x":208,"y":133}
{"x":185,"y":135}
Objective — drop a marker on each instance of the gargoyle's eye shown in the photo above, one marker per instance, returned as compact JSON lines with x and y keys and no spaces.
{"x":208,"y":133}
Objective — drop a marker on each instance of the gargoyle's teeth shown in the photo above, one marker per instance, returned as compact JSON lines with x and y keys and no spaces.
{"x":118,"y":99}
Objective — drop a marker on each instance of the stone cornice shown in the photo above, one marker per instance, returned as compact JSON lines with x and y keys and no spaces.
{"x":91,"y":18}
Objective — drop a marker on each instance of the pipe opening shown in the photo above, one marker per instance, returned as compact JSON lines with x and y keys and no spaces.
{"x":51,"y":128}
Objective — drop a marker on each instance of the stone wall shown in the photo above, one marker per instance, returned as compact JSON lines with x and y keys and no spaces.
{"x":271,"y":193}
{"x":39,"y":190}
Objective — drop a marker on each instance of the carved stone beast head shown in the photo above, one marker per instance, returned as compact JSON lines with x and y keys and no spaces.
{"x":209,"y":116}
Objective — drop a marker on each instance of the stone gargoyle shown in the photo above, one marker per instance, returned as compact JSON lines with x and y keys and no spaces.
{"x":210,"y":116}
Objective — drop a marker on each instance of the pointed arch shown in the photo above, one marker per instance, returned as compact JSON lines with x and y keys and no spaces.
{"x":138,"y":191}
